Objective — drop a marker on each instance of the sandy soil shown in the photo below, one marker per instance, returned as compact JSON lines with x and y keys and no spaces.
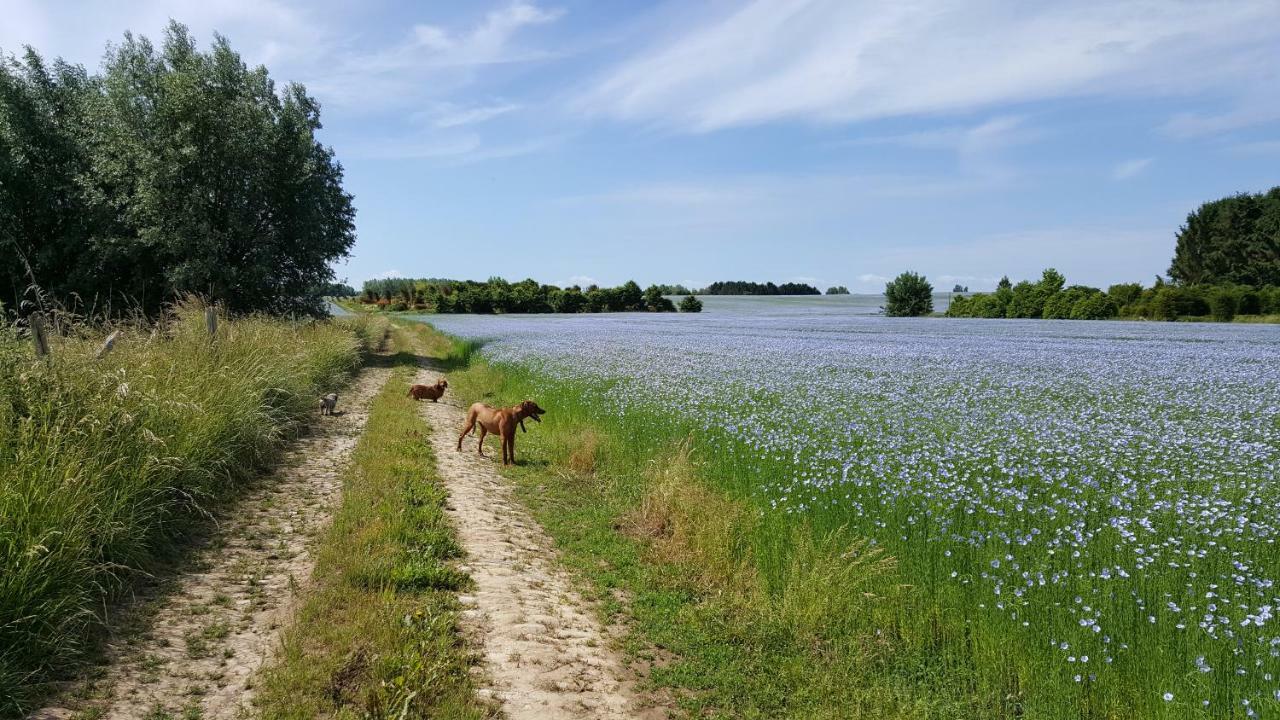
{"x":202,"y":642}
{"x":546,"y":653}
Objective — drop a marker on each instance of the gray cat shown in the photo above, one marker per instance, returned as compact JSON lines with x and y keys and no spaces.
{"x":328,"y":403}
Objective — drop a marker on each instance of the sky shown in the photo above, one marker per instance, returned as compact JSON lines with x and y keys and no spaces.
{"x":821,"y":141}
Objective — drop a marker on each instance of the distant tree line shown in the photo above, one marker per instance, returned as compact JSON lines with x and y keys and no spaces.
{"x":341,"y":290}
{"x":1049,"y":299}
{"x":496,"y":295}
{"x":1226,"y":263}
{"x":743,"y":287}
{"x":837,"y":290}
{"x":170,"y":171}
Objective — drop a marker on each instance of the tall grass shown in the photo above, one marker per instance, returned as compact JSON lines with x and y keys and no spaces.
{"x":103,"y":462}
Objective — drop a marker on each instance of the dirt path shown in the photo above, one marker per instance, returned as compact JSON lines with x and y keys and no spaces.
{"x":209,"y":637}
{"x":546,"y":654}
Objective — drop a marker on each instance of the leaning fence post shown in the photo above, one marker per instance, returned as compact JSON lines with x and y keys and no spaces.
{"x":107,"y":344}
{"x":38,"y":336}
{"x":211,"y":322}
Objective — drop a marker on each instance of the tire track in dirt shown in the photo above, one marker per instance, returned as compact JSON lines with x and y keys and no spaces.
{"x":545,"y":652}
{"x":206,"y":641}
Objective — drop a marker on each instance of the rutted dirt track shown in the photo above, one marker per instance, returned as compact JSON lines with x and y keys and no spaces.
{"x":204,"y":644}
{"x":546,"y":654}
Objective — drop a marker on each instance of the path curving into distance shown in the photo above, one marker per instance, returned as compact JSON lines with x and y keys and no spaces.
{"x":546,"y":654}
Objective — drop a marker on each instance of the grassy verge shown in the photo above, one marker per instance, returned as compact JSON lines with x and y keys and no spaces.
{"x":741,"y":613}
{"x":376,"y":634}
{"x":105,"y":461}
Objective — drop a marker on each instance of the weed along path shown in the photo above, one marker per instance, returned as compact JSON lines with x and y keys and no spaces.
{"x":197,"y":654}
{"x":545,"y":652}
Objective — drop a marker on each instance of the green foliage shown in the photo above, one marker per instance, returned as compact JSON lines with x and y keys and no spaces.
{"x":1235,"y":240}
{"x":496,"y":295}
{"x":1094,"y":306}
{"x":690,"y":304}
{"x":745,"y":287}
{"x":837,"y":290}
{"x":1048,"y":299}
{"x":104,"y":461}
{"x":1223,"y":303}
{"x":1125,"y":293}
{"x":1059,"y":305}
{"x":172,"y":171}
{"x":655,"y":302}
{"x":908,"y":295}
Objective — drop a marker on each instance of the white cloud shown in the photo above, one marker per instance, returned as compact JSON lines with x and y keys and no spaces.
{"x":581,"y":281}
{"x":1130,"y":168}
{"x":873,"y":279}
{"x":390,"y":274}
{"x":1261,"y":147}
{"x":453,"y":116}
{"x":1185,"y":126}
{"x":844,"y":60}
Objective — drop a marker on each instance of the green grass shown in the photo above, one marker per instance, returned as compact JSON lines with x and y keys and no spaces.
{"x":376,"y":634}
{"x":105,"y":463}
{"x":739,"y":613}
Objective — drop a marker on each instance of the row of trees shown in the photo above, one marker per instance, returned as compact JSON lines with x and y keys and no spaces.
{"x":744,"y":287}
{"x":171,"y":171}
{"x":1049,"y":299}
{"x":527,"y":296}
{"x":837,"y":290}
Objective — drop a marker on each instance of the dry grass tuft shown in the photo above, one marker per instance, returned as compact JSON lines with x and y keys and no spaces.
{"x":701,"y":533}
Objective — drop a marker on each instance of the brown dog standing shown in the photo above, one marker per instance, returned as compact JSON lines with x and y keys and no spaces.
{"x":501,"y":422}
{"x":429,"y":392}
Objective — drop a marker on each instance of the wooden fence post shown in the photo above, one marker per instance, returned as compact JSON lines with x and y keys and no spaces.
{"x":37,"y":334}
{"x":211,"y":322}
{"x":107,"y":344}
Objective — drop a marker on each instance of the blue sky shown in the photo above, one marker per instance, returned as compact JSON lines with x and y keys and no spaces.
{"x":827,"y":141}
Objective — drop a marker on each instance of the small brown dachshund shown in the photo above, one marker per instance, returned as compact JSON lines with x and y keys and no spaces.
{"x":501,"y":422}
{"x":429,"y":392}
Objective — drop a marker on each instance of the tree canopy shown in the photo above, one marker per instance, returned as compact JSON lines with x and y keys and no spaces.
{"x":908,"y":295}
{"x":171,"y":171}
{"x":497,"y":295}
{"x":1235,"y":240}
{"x":746,"y":287}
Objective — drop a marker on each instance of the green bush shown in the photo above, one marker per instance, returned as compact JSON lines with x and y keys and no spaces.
{"x":1222,"y":304}
{"x":1094,"y":306}
{"x":104,"y":461}
{"x":908,"y":295}
{"x":1250,"y":302}
{"x":690,"y":304}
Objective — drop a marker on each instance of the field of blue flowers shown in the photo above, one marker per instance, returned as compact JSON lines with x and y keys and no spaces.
{"x":1101,"y":497}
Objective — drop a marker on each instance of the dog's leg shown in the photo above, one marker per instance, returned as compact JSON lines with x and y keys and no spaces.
{"x":480,"y":442}
{"x":471,"y":423}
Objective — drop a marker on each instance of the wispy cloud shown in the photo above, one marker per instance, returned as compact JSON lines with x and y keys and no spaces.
{"x":453,"y":116}
{"x":842,"y":60}
{"x":431,"y":60}
{"x":1130,"y":168}
{"x":1260,"y":147}
{"x":1185,"y":126}
{"x":456,"y":148}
